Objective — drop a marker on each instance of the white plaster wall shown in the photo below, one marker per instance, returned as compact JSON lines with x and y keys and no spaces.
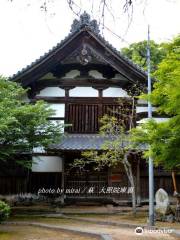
{"x":144,"y":109}
{"x":83,"y":92}
{"x":52,"y":92}
{"x":72,"y":74}
{"x":59,"y":109}
{"x":55,"y":122}
{"x":95,"y":74}
{"x":38,"y":150}
{"x":141,"y":101}
{"x":114,"y":92}
{"x":47,"y":164}
{"x":158,"y":120}
{"x":48,"y":76}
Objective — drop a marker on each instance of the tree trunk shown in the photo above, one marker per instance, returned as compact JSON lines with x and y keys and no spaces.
{"x":130,"y":176}
{"x":177,"y":195}
{"x":174,"y":182}
{"x":134,"y":200}
{"x":133,"y":194}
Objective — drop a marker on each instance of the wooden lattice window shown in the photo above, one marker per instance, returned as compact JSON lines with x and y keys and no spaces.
{"x":83,"y":117}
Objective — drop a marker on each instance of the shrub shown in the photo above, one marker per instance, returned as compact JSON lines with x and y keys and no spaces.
{"x":4,"y":211}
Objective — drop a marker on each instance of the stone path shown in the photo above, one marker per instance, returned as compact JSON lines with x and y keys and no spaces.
{"x":116,"y":232}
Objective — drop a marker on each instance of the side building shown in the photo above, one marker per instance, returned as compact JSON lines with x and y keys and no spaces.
{"x":82,"y":79}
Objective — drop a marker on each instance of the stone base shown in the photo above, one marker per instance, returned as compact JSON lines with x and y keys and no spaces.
{"x":177,"y":213}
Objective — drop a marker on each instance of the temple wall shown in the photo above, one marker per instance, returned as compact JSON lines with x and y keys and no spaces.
{"x":47,"y":164}
{"x":72,"y":74}
{"x":83,"y":92}
{"x":59,"y":109}
{"x":114,"y":92}
{"x":51,"y":92}
{"x":96,"y":74}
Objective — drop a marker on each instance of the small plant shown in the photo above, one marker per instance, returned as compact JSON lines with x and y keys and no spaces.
{"x":4,"y":211}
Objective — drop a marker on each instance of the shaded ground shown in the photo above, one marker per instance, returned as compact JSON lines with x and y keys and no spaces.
{"x":45,"y":208}
{"x":117,"y":233}
{"x":141,"y":218}
{"x":36,"y":233}
{"x":82,"y":214}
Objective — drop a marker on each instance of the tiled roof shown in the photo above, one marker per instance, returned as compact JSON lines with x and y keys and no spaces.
{"x":42,"y":57}
{"x":81,"y":142}
{"x":75,"y":31}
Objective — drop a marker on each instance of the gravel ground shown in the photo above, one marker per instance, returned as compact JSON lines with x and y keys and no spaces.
{"x":36,"y":233}
{"x":117,"y":233}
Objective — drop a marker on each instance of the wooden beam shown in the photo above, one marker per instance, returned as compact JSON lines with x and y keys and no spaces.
{"x":95,"y":44}
{"x":85,"y":82}
{"x":90,"y":100}
{"x":56,"y":118}
{"x":115,"y":60}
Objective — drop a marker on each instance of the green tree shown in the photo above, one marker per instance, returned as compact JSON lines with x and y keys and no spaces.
{"x":164,"y":138}
{"x":137,"y":52}
{"x":4,"y":211}
{"x":23,"y":126}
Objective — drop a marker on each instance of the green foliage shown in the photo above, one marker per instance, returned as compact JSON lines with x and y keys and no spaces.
{"x":4,"y":211}
{"x":137,"y":52}
{"x":164,"y":138}
{"x":23,"y":126}
{"x":166,"y":92}
{"x":163,"y":142}
{"x":112,"y":151}
{"x":115,"y":151}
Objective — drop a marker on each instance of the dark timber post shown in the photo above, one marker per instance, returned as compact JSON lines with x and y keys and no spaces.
{"x":62,"y":181}
{"x":138,"y":187}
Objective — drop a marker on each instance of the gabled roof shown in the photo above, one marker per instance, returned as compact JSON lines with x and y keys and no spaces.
{"x":80,"y":29}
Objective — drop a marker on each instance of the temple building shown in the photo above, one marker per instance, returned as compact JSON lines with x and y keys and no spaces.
{"x":82,"y":78}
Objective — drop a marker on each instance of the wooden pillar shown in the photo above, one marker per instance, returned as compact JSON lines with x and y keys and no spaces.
{"x":109,"y":176}
{"x":174,"y":182}
{"x":62,"y":181}
{"x":28,"y":180}
{"x":138,"y":182}
{"x":100,"y":93}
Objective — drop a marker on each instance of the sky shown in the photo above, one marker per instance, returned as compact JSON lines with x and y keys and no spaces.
{"x":27,"y":32}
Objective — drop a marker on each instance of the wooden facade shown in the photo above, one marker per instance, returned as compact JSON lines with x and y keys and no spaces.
{"x":82,"y":78}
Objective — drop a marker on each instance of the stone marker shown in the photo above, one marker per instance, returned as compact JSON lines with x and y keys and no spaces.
{"x":162,"y":202}
{"x":163,"y":209}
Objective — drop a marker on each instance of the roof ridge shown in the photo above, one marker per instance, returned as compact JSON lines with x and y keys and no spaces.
{"x":84,"y":24}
